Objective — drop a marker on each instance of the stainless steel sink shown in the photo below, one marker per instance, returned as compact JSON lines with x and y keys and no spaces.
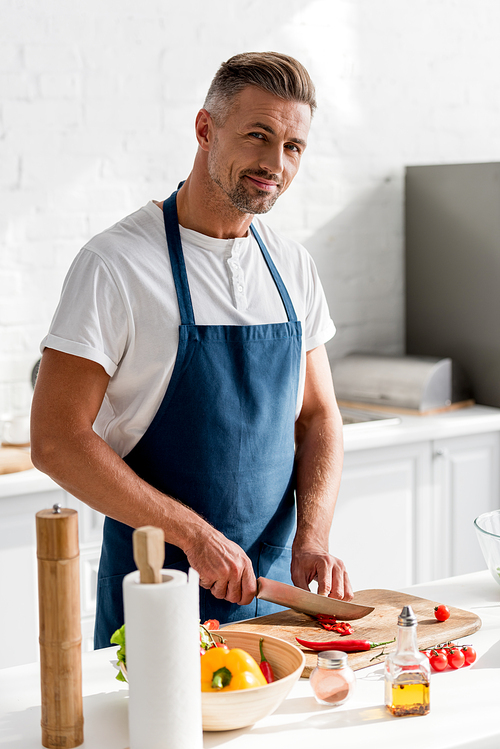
{"x":352,"y":417}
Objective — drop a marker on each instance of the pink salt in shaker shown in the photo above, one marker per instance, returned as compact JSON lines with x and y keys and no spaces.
{"x":332,"y":680}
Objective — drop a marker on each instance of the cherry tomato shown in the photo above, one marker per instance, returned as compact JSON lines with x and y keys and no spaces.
{"x":433,"y":651}
{"x":469,"y":654}
{"x":442,"y":613}
{"x":456,"y":658}
{"x":438,"y":661}
{"x":442,"y":651}
{"x":211,"y":624}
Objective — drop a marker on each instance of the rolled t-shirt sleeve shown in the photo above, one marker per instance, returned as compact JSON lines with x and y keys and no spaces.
{"x":90,"y":320}
{"x":319,"y":326}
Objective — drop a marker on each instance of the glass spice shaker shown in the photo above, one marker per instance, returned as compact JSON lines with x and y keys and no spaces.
{"x":332,"y":680}
{"x":407,"y":671}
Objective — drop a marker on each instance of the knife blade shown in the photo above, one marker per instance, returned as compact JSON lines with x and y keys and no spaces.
{"x":307,"y":602}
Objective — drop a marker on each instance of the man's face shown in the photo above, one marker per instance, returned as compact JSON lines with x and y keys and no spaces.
{"x":256,"y":153}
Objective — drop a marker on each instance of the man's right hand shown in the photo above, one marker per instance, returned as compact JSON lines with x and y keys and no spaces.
{"x":224,"y":568}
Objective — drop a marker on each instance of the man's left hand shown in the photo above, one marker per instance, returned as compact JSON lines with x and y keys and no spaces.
{"x":329,"y":572}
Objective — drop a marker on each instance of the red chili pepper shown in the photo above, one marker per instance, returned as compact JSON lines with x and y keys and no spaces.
{"x":347,"y":646}
{"x":343,"y":628}
{"x":265,"y":666}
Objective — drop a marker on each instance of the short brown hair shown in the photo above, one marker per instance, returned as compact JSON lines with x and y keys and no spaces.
{"x":278,"y":74}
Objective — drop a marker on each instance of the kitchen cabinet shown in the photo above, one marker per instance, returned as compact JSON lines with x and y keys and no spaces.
{"x":22,"y":495}
{"x":405,"y":512}
{"x":90,"y":525}
{"x":18,"y":573}
{"x":465,"y":484}
{"x":382,"y":511}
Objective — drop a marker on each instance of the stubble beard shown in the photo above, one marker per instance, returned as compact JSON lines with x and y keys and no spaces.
{"x":238,"y":194}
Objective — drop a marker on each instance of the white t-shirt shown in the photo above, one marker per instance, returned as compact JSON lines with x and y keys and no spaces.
{"x":119,"y":308}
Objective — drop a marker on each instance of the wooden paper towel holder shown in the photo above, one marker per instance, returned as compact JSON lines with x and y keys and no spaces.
{"x":149,"y":552}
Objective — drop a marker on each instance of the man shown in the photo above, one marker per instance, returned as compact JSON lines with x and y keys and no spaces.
{"x":184,"y":381}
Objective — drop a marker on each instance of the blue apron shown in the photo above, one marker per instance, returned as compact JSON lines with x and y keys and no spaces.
{"x":222,"y":442}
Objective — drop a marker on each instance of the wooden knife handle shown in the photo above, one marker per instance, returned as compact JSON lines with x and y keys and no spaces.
{"x":149,"y":552}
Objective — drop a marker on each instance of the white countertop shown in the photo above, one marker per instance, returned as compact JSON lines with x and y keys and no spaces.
{"x":25,"y":482}
{"x":464,"y":421}
{"x":464,"y":703}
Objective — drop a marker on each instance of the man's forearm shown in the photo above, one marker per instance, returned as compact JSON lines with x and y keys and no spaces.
{"x":91,"y":471}
{"x":85,"y":466}
{"x":319,"y":458}
{"x":68,"y":395}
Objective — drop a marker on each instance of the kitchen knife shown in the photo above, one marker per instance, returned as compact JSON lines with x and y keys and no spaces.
{"x":307,"y":602}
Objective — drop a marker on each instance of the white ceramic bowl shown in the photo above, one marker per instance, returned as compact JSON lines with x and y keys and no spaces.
{"x":488,"y":533}
{"x":226,"y":711}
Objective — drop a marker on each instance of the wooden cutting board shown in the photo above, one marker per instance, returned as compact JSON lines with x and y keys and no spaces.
{"x":13,"y":460}
{"x":379,"y":626}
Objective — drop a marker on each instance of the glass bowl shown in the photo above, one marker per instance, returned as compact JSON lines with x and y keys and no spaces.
{"x":488,"y":532}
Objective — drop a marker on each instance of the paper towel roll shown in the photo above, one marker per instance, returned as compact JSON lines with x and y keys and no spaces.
{"x":163,"y":661}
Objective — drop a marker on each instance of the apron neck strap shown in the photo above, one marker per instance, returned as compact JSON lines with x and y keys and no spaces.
{"x":285,"y":297}
{"x":179,"y":272}
{"x":177,"y":260}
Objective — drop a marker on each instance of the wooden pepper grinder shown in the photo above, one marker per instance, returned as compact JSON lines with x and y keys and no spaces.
{"x":60,"y":628}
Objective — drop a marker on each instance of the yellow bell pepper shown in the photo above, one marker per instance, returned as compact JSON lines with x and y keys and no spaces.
{"x":224,"y":670}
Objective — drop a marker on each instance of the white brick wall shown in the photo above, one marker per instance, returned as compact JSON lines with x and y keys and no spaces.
{"x":96,"y":117}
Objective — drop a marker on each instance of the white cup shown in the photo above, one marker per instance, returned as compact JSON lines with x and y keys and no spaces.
{"x":16,"y":429}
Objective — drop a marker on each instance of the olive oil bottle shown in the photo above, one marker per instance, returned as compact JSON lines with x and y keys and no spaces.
{"x":407,"y":671}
